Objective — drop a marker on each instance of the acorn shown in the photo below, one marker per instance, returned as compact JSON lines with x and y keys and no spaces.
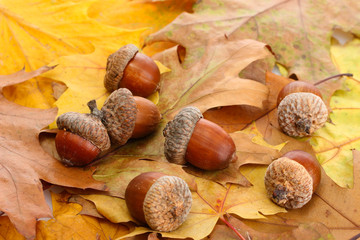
{"x":291,"y":180}
{"x":301,"y":110}
{"x":191,"y":138}
{"x":160,"y":201}
{"x":128,"y":68}
{"x":126,"y":116}
{"x":81,"y":138}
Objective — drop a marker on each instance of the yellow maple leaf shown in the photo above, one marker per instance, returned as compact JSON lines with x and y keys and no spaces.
{"x":35,"y":33}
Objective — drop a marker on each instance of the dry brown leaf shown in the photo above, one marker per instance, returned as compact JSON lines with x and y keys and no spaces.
{"x":308,"y":231}
{"x":24,"y":162}
{"x":296,"y":30}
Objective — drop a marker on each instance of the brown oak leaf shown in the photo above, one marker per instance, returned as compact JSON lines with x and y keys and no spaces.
{"x":23,"y":162}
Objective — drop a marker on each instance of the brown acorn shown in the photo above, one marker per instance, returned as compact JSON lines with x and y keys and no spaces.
{"x":126,"y":116}
{"x":82,"y":137}
{"x":160,"y":201}
{"x":301,"y":110}
{"x":291,"y":180}
{"x":128,"y":68}
{"x":204,"y":144}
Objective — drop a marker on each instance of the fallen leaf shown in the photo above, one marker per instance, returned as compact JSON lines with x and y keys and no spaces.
{"x":152,"y":15}
{"x":301,"y":231}
{"x":69,"y":224}
{"x":24,"y":162}
{"x":296,"y":31}
{"x":37,"y":32}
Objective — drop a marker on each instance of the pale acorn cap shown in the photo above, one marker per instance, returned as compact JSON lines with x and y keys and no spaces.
{"x":87,"y":126}
{"x":119,"y":115}
{"x":300,"y":114}
{"x":116,"y":64}
{"x":288,"y":183}
{"x":178,"y":132}
{"x":167,"y":203}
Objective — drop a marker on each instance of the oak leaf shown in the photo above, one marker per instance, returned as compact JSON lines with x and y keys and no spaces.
{"x":296,"y":31}
{"x":24,"y":162}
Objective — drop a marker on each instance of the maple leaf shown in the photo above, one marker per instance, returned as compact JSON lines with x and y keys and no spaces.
{"x":38,"y":32}
{"x":24,"y":162}
{"x":296,"y":31}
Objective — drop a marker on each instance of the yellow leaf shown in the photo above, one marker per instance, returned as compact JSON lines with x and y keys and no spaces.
{"x":333,"y":143}
{"x":68,"y":224}
{"x":36,"y":32}
{"x":258,"y":138}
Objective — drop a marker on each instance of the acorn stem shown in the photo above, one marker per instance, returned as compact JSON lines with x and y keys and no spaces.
{"x":335,"y":76}
{"x":94,"y":110}
{"x":232,"y":228}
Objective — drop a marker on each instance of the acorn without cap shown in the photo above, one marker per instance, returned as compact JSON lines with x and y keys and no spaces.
{"x":128,"y":68}
{"x":81,"y":138}
{"x":301,"y":110}
{"x":126,"y":116}
{"x":160,"y":201}
{"x":204,"y":144}
{"x":291,"y":180}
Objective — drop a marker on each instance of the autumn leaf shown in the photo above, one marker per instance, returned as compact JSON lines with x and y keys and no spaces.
{"x":152,"y":15}
{"x":24,"y":162}
{"x":38,"y":32}
{"x":264,"y":232}
{"x":69,"y":224}
{"x":296,"y":31}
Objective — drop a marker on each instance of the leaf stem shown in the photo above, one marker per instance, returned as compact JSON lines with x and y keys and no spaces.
{"x":232,"y":228}
{"x":335,"y":76}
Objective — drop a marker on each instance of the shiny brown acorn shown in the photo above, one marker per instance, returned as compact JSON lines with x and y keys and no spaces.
{"x":160,"y":201}
{"x":126,"y":116}
{"x":128,"y":68}
{"x":291,"y":180}
{"x":81,"y":138}
{"x":202,"y":143}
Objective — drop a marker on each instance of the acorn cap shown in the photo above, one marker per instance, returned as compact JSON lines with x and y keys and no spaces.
{"x":116,"y":64}
{"x":87,"y":126}
{"x":119,"y":115}
{"x":300,"y":114}
{"x":167,"y":203}
{"x":288,"y":183}
{"x":178,"y":132}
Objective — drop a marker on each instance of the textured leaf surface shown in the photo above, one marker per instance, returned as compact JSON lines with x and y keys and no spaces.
{"x":296,"y":31}
{"x":24,"y":162}
{"x":68,"y":224}
{"x":38,"y":32}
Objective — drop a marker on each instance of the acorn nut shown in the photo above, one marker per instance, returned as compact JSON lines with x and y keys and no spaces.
{"x":126,"y":116}
{"x":291,"y":180}
{"x":81,"y":138}
{"x":160,"y":201}
{"x":128,"y":68}
{"x":204,"y":144}
{"x":301,"y":110}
